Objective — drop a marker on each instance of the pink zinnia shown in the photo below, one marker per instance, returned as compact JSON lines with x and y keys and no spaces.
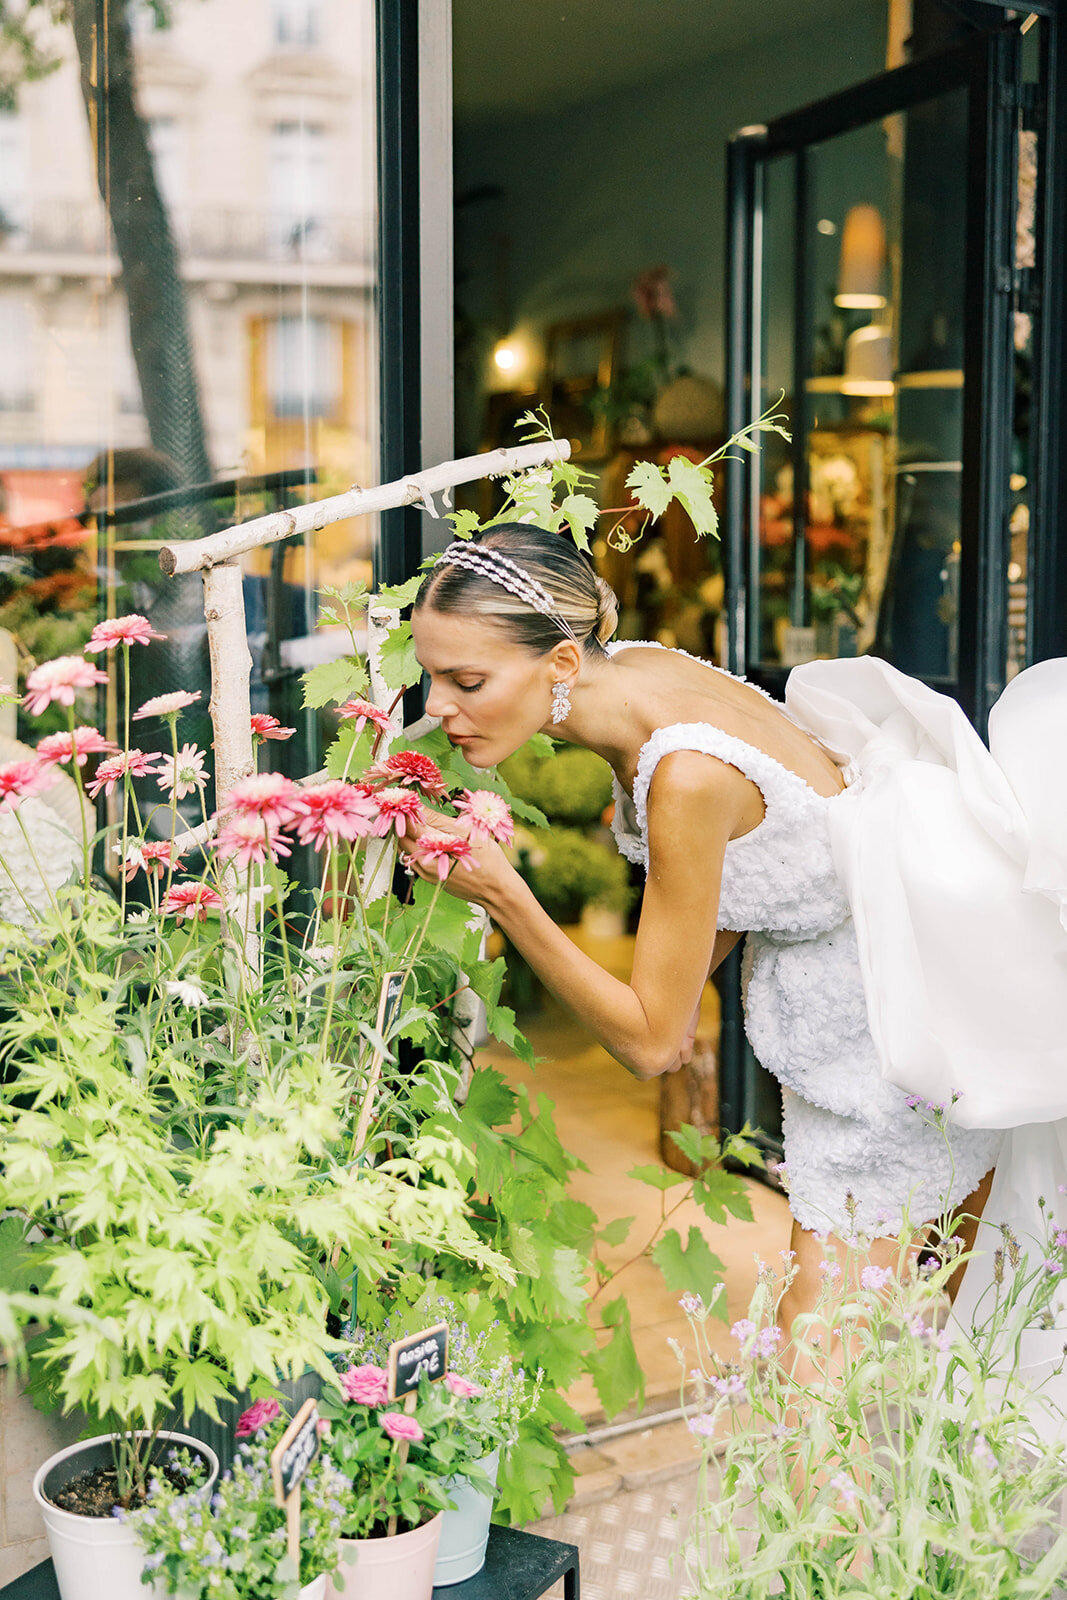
{"x":333,"y":810}
{"x":264,"y":727}
{"x":400,"y":1426}
{"x":463,"y":1387}
{"x":410,"y":768}
{"x":153,"y":857}
{"x":167,"y":705}
{"x":191,"y":900}
{"x":60,"y":680}
{"x":121,"y":630}
{"x":108,"y":773}
{"x":248,"y":840}
{"x":488,"y":815}
{"x":80,"y":744}
{"x":269,"y":795}
{"x":20,"y":778}
{"x":259,"y":1415}
{"x":398,"y":808}
{"x":364,"y":711}
{"x":184,"y":773}
{"x":442,"y":850}
{"x":366,"y":1385}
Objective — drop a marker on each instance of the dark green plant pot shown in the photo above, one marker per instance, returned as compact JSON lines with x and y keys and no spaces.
{"x":221,"y":1435}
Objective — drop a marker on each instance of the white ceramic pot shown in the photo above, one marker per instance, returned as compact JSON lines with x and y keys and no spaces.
{"x":465,"y":1531}
{"x":400,"y":1568}
{"x":315,"y":1590}
{"x":98,"y":1558}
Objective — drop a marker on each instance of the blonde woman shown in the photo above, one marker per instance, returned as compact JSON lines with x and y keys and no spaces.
{"x":732,"y":804}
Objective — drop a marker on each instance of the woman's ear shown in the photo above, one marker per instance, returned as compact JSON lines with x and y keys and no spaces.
{"x":566,"y":660}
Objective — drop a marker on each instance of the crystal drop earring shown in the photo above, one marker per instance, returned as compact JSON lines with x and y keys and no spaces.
{"x":561,"y":702}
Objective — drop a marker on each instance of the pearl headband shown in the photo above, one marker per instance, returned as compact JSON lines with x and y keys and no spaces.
{"x":500,"y":569}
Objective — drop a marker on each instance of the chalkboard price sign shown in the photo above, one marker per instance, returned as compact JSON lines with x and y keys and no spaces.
{"x":419,"y":1353}
{"x":295,"y":1451}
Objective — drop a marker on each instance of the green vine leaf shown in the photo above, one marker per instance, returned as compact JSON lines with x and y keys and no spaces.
{"x":691,"y":1267}
{"x":465,"y":524}
{"x":333,"y":682}
{"x":616,"y":1370}
{"x":399,"y":664}
{"x":580,"y":512}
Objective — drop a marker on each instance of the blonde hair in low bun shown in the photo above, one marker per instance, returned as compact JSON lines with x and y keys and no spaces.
{"x":581,"y":599}
{"x":607,"y":615}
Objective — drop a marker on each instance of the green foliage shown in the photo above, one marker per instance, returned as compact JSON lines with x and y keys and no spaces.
{"x":566,"y":871}
{"x":894,"y":1454}
{"x":573,"y":785}
{"x":399,"y":663}
{"x":332,"y":682}
{"x":617,"y":1374}
{"x":690,"y":1267}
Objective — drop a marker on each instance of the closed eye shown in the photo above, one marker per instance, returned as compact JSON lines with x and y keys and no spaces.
{"x":470,"y":688}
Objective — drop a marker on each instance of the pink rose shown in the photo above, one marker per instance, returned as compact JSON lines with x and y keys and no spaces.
{"x":463,"y":1387}
{"x":400,"y":1426}
{"x":257,"y":1416}
{"x":366,"y":1385}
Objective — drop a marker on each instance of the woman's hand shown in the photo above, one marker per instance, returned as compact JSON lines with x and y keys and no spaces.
{"x":685,"y":1049}
{"x":477,"y":877}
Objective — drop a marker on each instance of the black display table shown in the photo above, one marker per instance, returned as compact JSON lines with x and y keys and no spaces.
{"x":518,"y":1566}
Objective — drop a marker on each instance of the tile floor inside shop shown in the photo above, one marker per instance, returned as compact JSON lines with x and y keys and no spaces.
{"x":634,"y":1495}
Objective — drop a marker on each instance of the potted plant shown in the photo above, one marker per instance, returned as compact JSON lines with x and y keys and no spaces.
{"x":185,"y":1102}
{"x":499,"y":1397}
{"x":231,"y":1544}
{"x":902,"y":1455}
{"x":399,"y":1461}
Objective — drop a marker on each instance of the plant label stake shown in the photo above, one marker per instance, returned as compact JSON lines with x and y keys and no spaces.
{"x":388,"y":1004}
{"x":409,"y":1358}
{"x":289,"y":1462}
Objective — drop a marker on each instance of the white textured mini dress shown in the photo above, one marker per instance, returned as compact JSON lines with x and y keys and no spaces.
{"x":858,"y":1157}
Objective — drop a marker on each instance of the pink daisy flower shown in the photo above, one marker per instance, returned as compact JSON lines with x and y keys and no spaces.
{"x":108,"y":773}
{"x":269,"y":795}
{"x":463,"y":1387}
{"x":400,"y":1426}
{"x":367,"y":1385}
{"x":183,"y":774}
{"x":121,"y":630}
{"x":80,"y":744}
{"x":398,"y":808}
{"x":488,"y":815}
{"x":191,"y":900}
{"x":248,"y":840}
{"x":411,"y":769}
{"x":442,"y":851}
{"x":331,"y":811}
{"x":20,"y":778}
{"x":153,"y":857}
{"x":167,"y":705}
{"x":264,"y":727}
{"x":364,"y":711}
{"x":60,"y":680}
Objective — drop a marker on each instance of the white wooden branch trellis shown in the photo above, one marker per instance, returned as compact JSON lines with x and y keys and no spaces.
{"x":215,"y":557}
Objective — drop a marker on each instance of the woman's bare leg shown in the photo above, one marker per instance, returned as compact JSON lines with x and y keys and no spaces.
{"x":967,"y":1228}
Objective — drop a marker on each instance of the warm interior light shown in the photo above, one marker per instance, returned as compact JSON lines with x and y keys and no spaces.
{"x":505,"y":356}
{"x":859,"y":274}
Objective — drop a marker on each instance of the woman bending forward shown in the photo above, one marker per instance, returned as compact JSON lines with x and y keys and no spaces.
{"x":726,"y":802}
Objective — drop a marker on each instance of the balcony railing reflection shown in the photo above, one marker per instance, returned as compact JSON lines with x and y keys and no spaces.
{"x":75,"y":228}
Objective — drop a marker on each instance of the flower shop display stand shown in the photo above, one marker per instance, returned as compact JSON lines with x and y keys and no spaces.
{"x":518,"y":1566}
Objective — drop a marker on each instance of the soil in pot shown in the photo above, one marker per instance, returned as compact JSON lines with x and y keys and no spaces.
{"x":95,"y":1493}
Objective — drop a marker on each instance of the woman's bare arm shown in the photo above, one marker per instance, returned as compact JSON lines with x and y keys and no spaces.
{"x":694,"y":805}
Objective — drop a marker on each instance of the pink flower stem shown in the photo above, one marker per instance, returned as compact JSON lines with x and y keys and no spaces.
{"x":332,"y":988}
{"x":279,"y":901}
{"x":33,"y":856}
{"x":354,"y":885}
{"x":410,"y":967}
{"x":126,"y":778}
{"x":86,"y":849}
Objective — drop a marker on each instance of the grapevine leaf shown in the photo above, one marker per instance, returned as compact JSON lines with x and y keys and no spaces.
{"x":401,"y":594}
{"x":691,"y":484}
{"x":580,"y":512}
{"x":397,"y":660}
{"x":333,"y":682}
{"x":656,"y":1177}
{"x":691,"y":1268}
{"x":464,"y":523}
{"x":616,"y":1231}
{"x":649,"y":487}
{"x":616,"y":1369}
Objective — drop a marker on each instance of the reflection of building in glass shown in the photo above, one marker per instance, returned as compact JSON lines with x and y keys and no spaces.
{"x":260,"y":119}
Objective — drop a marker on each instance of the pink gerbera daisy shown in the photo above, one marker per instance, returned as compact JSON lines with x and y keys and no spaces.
{"x":411,"y":769}
{"x":167,"y":705}
{"x":121,"y":630}
{"x":269,"y":795}
{"x":442,"y":851}
{"x":153,"y":857}
{"x":80,"y":744}
{"x":397,"y":808}
{"x":248,"y":840}
{"x":364,"y":711}
{"x":488,"y":815}
{"x":333,"y":810}
{"x":132,"y":762}
{"x":264,"y":727}
{"x":19,"y":779}
{"x":60,"y":680}
{"x":191,"y":900}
